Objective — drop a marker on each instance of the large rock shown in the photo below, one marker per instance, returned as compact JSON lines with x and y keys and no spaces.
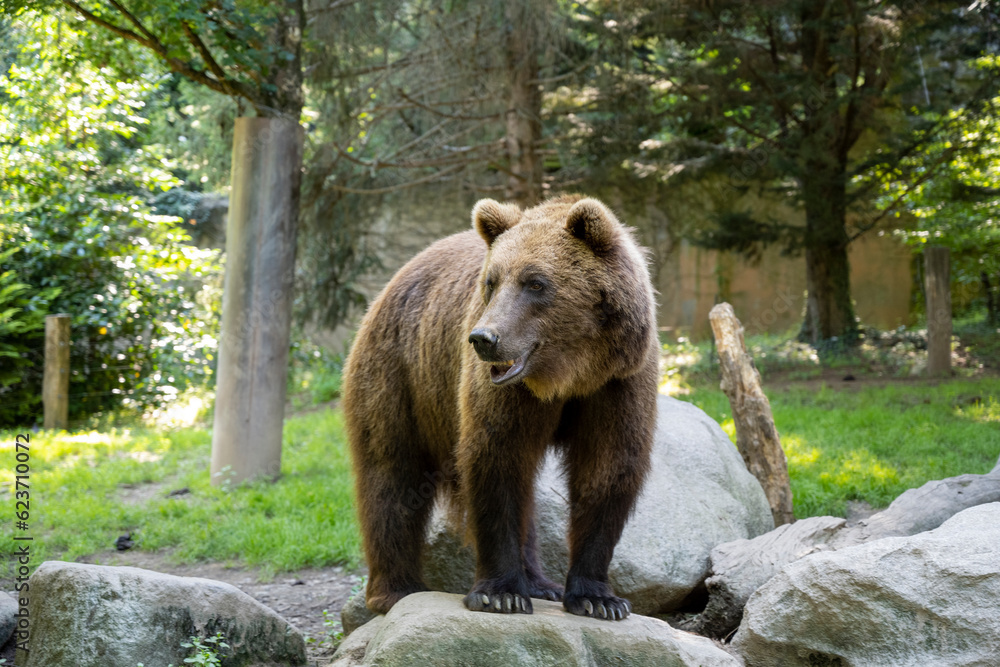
{"x":436,"y":629}
{"x":928,"y":599}
{"x":8,"y":617}
{"x":698,"y":494}
{"x":99,"y":616}
{"x":740,"y":567}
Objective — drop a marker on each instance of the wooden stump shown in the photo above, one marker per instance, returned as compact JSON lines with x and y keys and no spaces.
{"x":756,"y":437}
{"x":55,"y":381}
{"x":937,"y":273}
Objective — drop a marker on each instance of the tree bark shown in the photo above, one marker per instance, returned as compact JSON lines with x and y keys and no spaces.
{"x":524,"y":124}
{"x":992,"y":314}
{"x":829,"y":311}
{"x":756,"y":436}
{"x":257,"y":300}
{"x":938,"y":276}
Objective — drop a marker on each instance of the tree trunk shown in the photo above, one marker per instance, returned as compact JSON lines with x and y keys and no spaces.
{"x":524,"y":123}
{"x":829,"y":311}
{"x":257,"y":300}
{"x":992,"y":309}
{"x":260,"y":268}
{"x":756,"y":436}
{"x":937,"y":274}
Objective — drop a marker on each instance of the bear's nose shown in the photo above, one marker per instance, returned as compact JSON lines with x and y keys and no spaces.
{"x":485,"y":342}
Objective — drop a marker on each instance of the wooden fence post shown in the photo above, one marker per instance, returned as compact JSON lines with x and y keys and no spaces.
{"x":55,"y":381}
{"x":937,"y":273}
{"x":756,"y":436}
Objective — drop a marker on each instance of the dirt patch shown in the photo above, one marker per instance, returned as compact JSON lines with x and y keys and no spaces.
{"x":300,"y":597}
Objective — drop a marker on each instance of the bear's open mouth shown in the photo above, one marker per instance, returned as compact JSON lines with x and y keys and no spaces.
{"x":503,"y":372}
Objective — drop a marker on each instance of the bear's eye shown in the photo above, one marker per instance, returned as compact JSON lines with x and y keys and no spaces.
{"x":535,"y":286}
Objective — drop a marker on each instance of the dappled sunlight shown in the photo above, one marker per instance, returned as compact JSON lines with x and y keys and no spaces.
{"x":798,"y":452}
{"x":673,"y":384}
{"x":729,"y":426}
{"x":980,"y":411}
{"x":860,"y":468}
{"x":183,"y":412}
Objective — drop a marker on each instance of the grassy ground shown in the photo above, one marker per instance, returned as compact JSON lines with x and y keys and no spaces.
{"x":869,"y":438}
{"x":872,"y":443}
{"x":88,"y":488}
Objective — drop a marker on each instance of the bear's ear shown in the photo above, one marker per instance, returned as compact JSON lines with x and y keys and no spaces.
{"x":590,"y":221}
{"x":491,"y":218}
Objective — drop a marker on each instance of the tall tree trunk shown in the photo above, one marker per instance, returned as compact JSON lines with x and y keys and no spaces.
{"x":524,"y":113}
{"x":829,"y":311}
{"x":992,"y":307}
{"x":260,"y":265}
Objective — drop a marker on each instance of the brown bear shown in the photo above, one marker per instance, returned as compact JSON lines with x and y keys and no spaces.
{"x":537,"y":329}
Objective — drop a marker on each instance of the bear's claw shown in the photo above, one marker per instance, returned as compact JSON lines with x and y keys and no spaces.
{"x":498,"y":603}
{"x":610,"y":608}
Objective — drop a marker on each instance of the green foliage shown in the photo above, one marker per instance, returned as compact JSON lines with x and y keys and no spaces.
{"x":206,"y":651}
{"x":314,"y":376}
{"x":958,"y":206}
{"x":22,"y":326}
{"x":74,"y":198}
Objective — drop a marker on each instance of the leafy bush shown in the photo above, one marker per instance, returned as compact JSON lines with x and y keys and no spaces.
{"x":75,"y":188}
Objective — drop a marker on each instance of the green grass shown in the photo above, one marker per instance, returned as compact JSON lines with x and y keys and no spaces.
{"x":873,"y":443}
{"x":305,"y":519}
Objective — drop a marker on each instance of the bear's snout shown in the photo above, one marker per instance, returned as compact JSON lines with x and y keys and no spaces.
{"x":485,"y":343}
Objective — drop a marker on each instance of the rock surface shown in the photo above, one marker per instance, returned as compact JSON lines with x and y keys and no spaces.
{"x":698,"y":494}
{"x":436,"y":629}
{"x":8,"y":617}
{"x":355,"y":613}
{"x":99,"y":616}
{"x":741,"y":567}
{"x":738,"y":568}
{"x":928,"y":599}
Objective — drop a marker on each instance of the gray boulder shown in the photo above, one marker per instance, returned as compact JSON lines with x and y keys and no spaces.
{"x":698,"y":494}
{"x":436,"y":629}
{"x":355,"y":614}
{"x":927,"y":599}
{"x":8,"y":617}
{"x":99,"y":616}
{"x":740,"y":567}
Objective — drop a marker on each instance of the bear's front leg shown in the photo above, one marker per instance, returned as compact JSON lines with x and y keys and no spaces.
{"x":497,"y":460}
{"x":607,"y":462}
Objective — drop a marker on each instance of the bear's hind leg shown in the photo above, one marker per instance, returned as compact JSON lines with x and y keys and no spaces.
{"x":395,"y":501}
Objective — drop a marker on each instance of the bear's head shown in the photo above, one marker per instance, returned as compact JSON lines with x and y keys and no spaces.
{"x":567,"y":300}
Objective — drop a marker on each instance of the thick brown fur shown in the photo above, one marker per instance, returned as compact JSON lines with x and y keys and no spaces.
{"x":563,"y":291}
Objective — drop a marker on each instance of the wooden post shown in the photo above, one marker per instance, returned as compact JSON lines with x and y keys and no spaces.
{"x":756,"y":437}
{"x":937,"y":273}
{"x":257,"y":299}
{"x":55,"y":381}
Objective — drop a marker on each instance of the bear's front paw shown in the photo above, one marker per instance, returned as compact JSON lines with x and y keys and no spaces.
{"x":499,"y":599}
{"x":611,"y":608}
